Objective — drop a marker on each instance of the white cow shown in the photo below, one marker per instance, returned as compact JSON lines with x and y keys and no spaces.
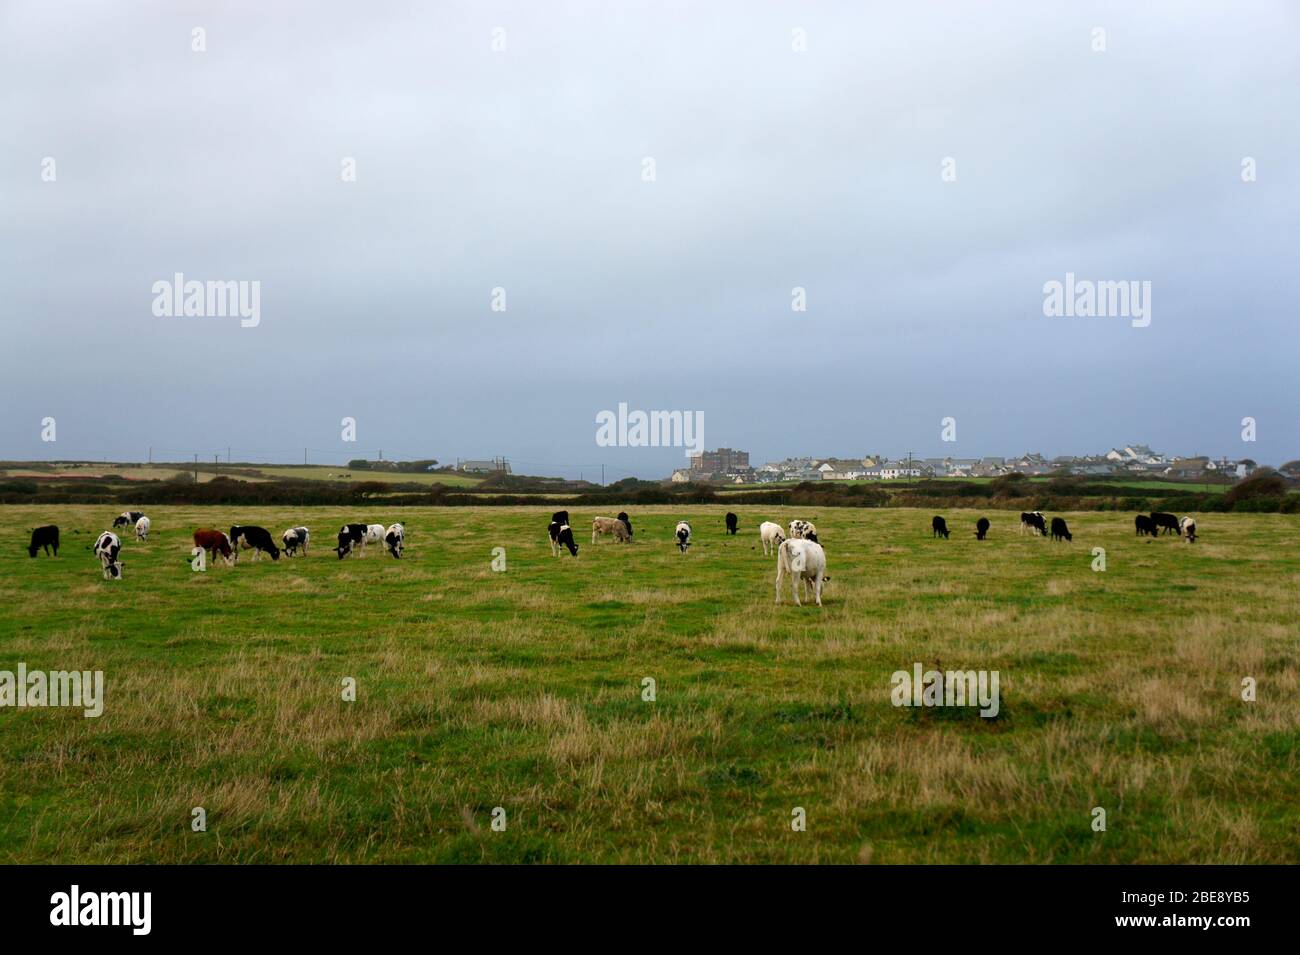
{"x":1187,"y":529}
{"x":803,"y":530}
{"x":295,"y":538}
{"x":683,"y":535}
{"x":106,"y":549}
{"x":374,"y":535}
{"x":772,"y":535}
{"x":142,"y":529}
{"x":804,"y":560}
{"x":395,"y":537}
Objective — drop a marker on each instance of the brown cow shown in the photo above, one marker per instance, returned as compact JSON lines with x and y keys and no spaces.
{"x":214,"y":542}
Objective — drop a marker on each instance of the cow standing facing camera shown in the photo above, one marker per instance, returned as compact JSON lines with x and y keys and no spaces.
{"x":683,"y":535}
{"x":107,"y":549}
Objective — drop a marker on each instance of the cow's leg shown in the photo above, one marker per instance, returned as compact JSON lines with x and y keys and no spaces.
{"x":779,"y":575}
{"x":819,"y":591}
{"x":795,"y":581}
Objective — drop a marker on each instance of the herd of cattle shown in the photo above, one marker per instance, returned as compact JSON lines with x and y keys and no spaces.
{"x":799,"y":554}
{"x":108,"y":546}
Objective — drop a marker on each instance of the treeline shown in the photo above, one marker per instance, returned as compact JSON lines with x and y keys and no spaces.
{"x":1264,"y":492}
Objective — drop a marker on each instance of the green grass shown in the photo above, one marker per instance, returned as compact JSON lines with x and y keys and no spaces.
{"x":522,"y":689}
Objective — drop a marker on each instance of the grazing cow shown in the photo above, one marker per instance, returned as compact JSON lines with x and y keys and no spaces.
{"x":128,"y":518}
{"x":254,"y":538}
{"x":214,"y":542}
{"x":349,"y":536}
{"x":106,"y":549}
{"x":627,"y":522}
{"x":1168,"y":521}
{"x":981,"y":528}
{"x":804,"y":560}
{"x":374,"y":535}
{"x":1033,"y":520}
{"x":561,"y":537}
{"x":772,"y":535}
{"x":1144,"y":525}
{"x":731,"y":521}
{"x":294,"y":538}
{"x":683,"y":535}
{"x":1187,"y":529}
{"x":394,"y":538}
{"x":610,"y":525}
{"x":142,"y":529}
{"x":46,"y":537}
{"x":803,"y":530}
{"x":1059,"y":531}
{"x":939,"y":527}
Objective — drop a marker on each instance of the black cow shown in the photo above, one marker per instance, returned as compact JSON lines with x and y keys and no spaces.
{"x":1035,"y":520}
{"x":1059,"y":531}
{"x":254,"y":538}
{"x":128,"y":518}
{"x":981,"y":528}
{"x":350,"y":535}
{"x":47,"y":537}
{"x":940,"y":527}
{"x":627,"y":522}
{"x":562,"y":536}
{"x":560,"y":517}
{"x":731,"y":522}
{"x":1168,"y":521}
{"x":1145,"y":525}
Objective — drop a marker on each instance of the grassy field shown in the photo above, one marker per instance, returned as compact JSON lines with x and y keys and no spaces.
{"x":523,"y":690}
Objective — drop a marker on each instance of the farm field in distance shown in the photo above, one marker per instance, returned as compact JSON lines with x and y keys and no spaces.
{"x":245,"y":472}
{"x":523,"y":689}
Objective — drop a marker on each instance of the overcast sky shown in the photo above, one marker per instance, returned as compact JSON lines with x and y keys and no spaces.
{"x":522,"y":169}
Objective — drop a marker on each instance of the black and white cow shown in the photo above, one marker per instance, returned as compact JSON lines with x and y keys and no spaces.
{"x":1168,"y":521}
{"x":350,"y":535}
{"x":106,"y":549}
{"x":683,"y":534}
{"x":939,"y":527}
{"x":732,"y":522}
{"x":1144,"y":525}
{"x":1059,"y":531}
{"x":981,"y":528}
{"x":627,"y":522}
{"x":46,"y":537}
{"x":561,"y":537}
{"x":1187,"y":529}
{"x":254,"y":538}
{"x":294,"y":538}
{"x":394,"y":538}
{"x":128,"y":518}
{"x":1033,"y":520}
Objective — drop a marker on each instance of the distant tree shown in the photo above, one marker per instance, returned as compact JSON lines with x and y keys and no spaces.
{"x":359,"y":464}
{"x":1264,"y":483}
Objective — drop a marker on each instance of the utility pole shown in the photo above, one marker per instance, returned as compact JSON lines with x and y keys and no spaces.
{"x":602,"y":475}
{"x":151,"y":455}
{"x":196,"y":467}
